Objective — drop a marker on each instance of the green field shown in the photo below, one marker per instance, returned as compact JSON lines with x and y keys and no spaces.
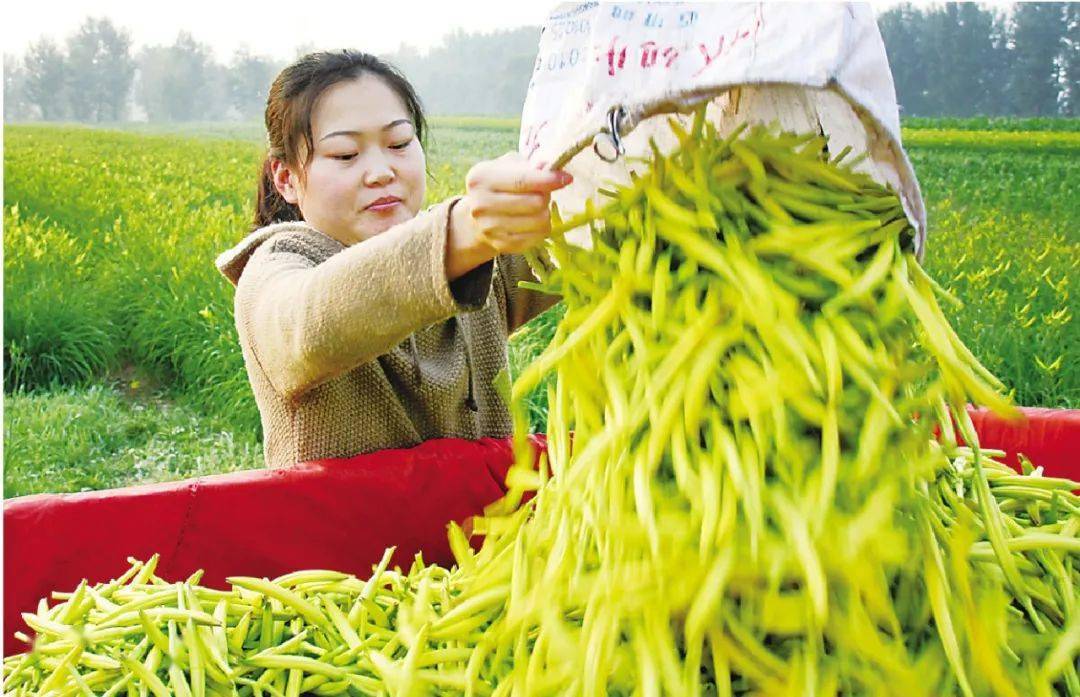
{"x":121,"y":358}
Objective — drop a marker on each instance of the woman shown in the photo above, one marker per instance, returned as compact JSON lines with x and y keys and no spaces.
{"x":365,"y":323}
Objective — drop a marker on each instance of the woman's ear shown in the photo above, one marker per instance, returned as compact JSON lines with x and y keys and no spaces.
{"x":285,"y":181}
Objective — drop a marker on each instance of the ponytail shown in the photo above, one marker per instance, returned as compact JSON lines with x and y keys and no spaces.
{"x":270,"y":207}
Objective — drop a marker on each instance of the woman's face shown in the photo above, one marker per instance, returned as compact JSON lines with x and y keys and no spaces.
{"x":365,"y":150}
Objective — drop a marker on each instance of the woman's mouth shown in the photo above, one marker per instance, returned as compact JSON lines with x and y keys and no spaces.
{"x":384,"y":204}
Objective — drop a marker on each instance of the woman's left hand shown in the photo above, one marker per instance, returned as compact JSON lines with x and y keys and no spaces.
{"x":505,"y":210}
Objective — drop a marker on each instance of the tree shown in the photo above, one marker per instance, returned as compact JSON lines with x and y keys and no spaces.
{"x":1038,"y":31}
{"x":16,"y":108}
{"x":969,"y":84}
{"x":935,"y":34}
{"x":180,"y":82}
{"x":958,"y":50}
{"x":962,"y":59}
{"x":406,"y":59}
{"x":900,"y":30}
{"x":1070,"y":61}
{"x":100,"y":71}
{"x":472,"y":73}
{"x":213,"y":96}
{"x":997,"y":70}
{"x":46,"y":79}
{"x":248,"y":82}
{"x":151,"y":84}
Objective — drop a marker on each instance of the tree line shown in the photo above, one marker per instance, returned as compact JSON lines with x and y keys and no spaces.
{"x":964,"y":59}
{"x":95,"y":76}
{"x":952,"y":59}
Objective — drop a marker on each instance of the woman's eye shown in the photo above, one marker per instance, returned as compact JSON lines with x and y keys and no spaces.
{"x":402,"y":146}
{"x":344,"y":158}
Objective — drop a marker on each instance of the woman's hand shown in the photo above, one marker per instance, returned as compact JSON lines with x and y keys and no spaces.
{"x":505,"y":210}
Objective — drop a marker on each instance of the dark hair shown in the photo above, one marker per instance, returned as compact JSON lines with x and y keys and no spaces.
{"x":288,"y":116}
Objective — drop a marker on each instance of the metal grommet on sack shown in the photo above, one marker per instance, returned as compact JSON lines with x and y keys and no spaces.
{"x":610,"y":140}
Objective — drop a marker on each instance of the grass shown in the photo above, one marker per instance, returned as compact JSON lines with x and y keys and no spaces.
{"x":110,"y":238}
{"x":74,"y":340}
{"x":254,"y":131}
{"x":1004,"y":239}
{"x":1028,"y":142}
{"x":994,"y":123}
{"x":80,"y":439}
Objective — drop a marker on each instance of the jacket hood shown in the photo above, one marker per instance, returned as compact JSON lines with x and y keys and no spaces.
{"x":231,"y":263}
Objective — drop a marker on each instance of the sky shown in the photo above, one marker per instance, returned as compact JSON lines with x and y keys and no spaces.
{"x":276,"y":27}
{"x":270,"y":27}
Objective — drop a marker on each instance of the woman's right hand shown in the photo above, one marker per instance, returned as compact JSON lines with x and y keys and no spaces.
{"x":505,"y":210}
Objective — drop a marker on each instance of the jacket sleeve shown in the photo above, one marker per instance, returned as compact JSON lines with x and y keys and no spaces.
{"x":522,"y":304}
{"x":307,"y":323}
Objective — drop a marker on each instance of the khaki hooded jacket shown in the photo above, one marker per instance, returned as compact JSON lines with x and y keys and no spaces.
{"x":351,"y":349}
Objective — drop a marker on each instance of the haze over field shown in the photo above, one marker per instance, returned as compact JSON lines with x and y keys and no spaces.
{"x":115,"y":60}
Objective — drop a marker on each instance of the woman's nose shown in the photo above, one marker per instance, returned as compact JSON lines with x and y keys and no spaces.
{"x":378,"y":172}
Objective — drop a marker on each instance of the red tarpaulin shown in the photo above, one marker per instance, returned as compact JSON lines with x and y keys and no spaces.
{"x":331,"y":514}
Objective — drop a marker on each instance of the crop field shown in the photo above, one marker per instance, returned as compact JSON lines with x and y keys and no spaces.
{"x":121,"y":361}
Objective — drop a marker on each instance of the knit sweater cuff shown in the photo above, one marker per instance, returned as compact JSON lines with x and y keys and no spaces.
{"x":470,"y":291}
